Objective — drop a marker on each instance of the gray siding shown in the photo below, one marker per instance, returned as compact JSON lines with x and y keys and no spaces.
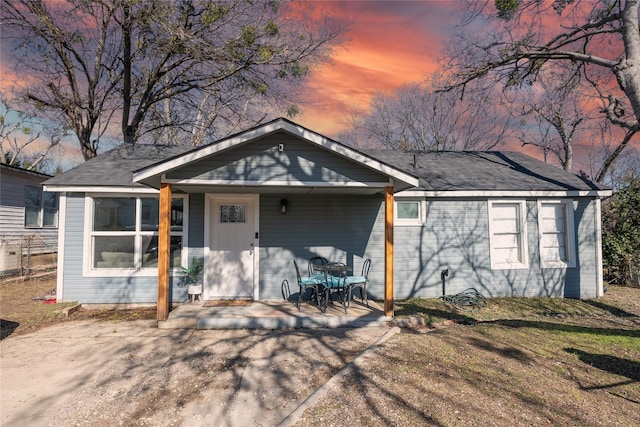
{"x":196,"y":223}
{"x":456,"y":237}
{"x":100,"y":290}
{"x":340,"y":228}
{"x":587,"y":250}
{"x":261,"y":161}
{"x":351,"y":229}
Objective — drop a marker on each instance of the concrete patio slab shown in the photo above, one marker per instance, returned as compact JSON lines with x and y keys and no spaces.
{"x":273,"y":314}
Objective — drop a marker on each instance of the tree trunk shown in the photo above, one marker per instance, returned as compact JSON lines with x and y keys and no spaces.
{"x":628,"y":69}
{"x":127,"y":132}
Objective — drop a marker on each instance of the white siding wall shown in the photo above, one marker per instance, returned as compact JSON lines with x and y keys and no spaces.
{"x":12,"y":187}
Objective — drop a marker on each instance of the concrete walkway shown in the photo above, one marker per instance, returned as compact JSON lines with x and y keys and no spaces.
{"x":273,"y":314}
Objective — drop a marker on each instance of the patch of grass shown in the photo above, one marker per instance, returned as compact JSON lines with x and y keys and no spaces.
{"x":521,"y":362}
{"x":433,"y":310}
{"x":437,"y":310}
{"x":117,"y":315}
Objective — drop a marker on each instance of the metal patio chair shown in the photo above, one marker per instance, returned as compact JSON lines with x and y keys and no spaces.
{"x":316,"y":261}
{"x":335,"y":283}
{"x":359,"y":282}
{"x":315,"y":283}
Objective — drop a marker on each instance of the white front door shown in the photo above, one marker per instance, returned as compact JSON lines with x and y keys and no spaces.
{"x":231,"y":258}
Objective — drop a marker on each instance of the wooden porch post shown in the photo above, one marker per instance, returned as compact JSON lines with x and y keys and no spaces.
{"x":164,"y":242}
{"x":388,"y":251}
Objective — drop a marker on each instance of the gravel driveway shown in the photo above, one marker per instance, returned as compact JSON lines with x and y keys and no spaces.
{"x":131,"y":373}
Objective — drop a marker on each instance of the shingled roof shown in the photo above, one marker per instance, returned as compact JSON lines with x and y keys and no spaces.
{"x":115,"y":167}
{"x":437,"y":171}
{"x":483,"y":171}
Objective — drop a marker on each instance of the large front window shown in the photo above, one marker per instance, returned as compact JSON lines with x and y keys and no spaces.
{"x":124,"y":232}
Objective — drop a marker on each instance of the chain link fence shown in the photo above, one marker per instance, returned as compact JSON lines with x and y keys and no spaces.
{"x":25,"y":255}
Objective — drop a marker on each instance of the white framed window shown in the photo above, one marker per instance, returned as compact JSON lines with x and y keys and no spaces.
{"x":508,"y":234}
{"x":123,"y":233}
{"x":40,"y":208}
{"x":556,"y":234}
{"x":409,"y":212}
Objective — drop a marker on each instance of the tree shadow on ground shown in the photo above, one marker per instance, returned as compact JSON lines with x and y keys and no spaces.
{"x":608,"y":363}
{"x":507,"y":351}
{"x":513,"y":323}
{"x":433,"y":314}
{"x":615,"y":311}
{"x":7,"y":327}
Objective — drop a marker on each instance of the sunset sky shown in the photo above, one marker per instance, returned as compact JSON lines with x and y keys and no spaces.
{"x":390,"y":43}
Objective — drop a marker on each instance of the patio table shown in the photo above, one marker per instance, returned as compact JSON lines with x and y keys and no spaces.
{"x":335,"y":275}
{"x":328,"y":265}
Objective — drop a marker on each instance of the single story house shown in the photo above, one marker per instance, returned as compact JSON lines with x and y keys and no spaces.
{"x":28,"y":217}
{"x":501,"y":222}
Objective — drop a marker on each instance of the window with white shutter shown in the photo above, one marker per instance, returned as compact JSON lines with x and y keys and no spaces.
{"x":508,"y":234}
{"x":555,"y":222}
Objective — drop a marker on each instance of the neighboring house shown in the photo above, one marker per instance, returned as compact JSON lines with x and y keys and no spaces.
{"x":503,"y":223}
{"x":28,"y":216}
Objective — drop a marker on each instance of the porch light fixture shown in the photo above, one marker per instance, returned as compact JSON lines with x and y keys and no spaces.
{"x":283,"y":206}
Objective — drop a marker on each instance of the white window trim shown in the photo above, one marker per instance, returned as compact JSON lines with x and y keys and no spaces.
{"x":137,"y":270}
{"x":570,"y":238}
{"x":422,"y":209}
{"x":495,"y":264}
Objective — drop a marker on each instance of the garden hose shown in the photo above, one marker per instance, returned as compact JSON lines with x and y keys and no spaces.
{"x":469,"y":298}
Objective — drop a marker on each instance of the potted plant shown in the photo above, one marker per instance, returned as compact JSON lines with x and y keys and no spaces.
{"x":190,"y":276}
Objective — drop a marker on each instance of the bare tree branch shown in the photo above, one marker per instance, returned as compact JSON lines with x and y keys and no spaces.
{"x":102,"y":60}
{"x":592,"y":35}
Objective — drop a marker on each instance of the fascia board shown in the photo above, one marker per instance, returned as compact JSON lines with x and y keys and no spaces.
{"x":276,"y":183}
{"x":95,"y":189}
{"x":505,"y":193}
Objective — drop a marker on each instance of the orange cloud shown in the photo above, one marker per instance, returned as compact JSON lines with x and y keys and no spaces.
{"x":391,"y":43}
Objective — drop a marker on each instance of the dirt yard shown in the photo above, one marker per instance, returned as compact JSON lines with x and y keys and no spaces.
{"x":109,"y":368}
{"x":28,"y":305}
{"x":516,"y":362}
